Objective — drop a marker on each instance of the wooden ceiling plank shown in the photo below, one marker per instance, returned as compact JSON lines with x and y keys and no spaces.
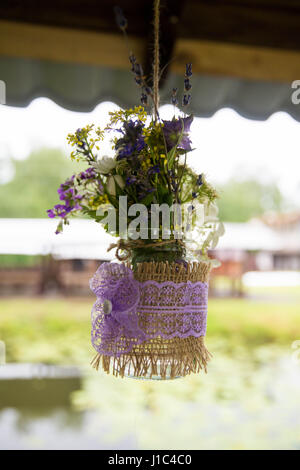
{"x":105,"y":49}
{"x":234,"y":60}
{"x":92,"y":15}
{"x":242,"y":22}
{"x":266,"y":23}
{"x":65,"y":45}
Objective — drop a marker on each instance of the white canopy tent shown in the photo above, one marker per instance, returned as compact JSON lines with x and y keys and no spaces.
{"x":82,"y":239}
{"x":86,"y":239}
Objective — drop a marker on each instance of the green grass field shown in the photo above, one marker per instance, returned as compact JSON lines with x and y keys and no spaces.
{"x":58,"y":330}
{"x":248,"y":400}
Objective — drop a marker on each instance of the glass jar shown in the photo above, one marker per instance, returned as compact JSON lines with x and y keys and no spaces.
{"x":165,"y":270}
{"x":171,"y":252}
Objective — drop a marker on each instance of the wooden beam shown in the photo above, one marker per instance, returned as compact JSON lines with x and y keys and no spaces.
{"x":257,"y":23}
{"x":265,"y":23}
{"x":106,"y":49}
{"x":66,"y":45}
{"x":88,"y":15}
{"x":257,"y":63}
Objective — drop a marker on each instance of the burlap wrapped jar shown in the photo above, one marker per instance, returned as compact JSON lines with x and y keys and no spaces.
{"x":160,"y":334}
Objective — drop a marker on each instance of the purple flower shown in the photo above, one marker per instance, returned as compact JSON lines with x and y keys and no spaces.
{"x":51,"y":213}
{"x":100,"y":186}
{"x":140,"y":144}
{"x":144,"y":98}
{"x":62,"y":210}
{"x":186,"y":100}
{"x":70,"y":181}
{"x":88,"y":174}
{"x":153,"y":170}
{"x":188,"y":70}
{"x":77,"y":207}
{"x":66,"y":185}
{"x":132,"y":140}
{"x":125,"y":151}
{"x":120,"y":18}
{"x":67,"y":194}
{"x":146,"y":192}
{"x":174,"y":100}
{"x":199,"y":181}
{"x":132,"y":128}
{"x":132,"y":59}
{"x":130,"y":180}
{"x":138,"y":70}
{"x":172,"y":131}
{"x":187,"y":84}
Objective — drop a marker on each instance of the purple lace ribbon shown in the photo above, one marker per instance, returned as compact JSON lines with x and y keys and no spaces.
{"x":140,"y":311}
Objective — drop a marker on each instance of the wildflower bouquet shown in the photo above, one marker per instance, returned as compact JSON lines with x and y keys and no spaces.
{"x":148,"y":168}
{"x":150,"y":315}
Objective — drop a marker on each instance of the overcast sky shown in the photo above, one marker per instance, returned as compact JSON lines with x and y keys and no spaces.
{"x":227,"y":144}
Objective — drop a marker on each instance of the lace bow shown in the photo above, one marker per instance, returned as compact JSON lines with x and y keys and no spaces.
{"x":114,"y":314}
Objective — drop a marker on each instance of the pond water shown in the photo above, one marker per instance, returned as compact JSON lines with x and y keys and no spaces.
{"x":250,"y":399}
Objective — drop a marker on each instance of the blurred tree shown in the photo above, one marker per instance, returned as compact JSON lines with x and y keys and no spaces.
{"x":33,"y":188}
{"x":241,"y":200}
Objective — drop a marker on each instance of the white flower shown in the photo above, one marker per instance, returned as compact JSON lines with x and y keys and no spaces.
{"x":213,"y":238}
{"x":111,"y":184}
{"x":221,"y":229}
{"x":105,"y":164}
{"x":211,"y":212}
{"x":215,"y":263}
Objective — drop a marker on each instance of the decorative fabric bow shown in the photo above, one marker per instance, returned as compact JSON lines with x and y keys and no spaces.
{"x":115,"y":325}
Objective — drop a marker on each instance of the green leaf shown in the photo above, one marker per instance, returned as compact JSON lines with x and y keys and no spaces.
{"x":169,"y":199}
{"x":147,"y":199}
{"x":172,"y":153}
{"x":171,"y":156}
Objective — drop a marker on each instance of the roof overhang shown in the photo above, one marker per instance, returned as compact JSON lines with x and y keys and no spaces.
{"x":244,"y":57}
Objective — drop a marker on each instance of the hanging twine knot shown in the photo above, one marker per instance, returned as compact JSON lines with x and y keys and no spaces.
{"x":128,"y":245}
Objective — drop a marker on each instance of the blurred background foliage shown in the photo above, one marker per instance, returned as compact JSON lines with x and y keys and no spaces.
{"x":241,"y":200}
{"x":33,"y":189}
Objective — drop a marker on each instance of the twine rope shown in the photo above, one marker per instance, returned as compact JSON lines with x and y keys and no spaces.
{"x":156,"y":58}
{"x":128,"y":245}
{"x":165,"y":358}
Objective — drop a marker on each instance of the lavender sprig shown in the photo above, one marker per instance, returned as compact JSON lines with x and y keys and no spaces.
{"x":187,"y":85}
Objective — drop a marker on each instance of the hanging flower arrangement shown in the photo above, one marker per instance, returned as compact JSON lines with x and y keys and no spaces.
{"x":149,"y":319}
